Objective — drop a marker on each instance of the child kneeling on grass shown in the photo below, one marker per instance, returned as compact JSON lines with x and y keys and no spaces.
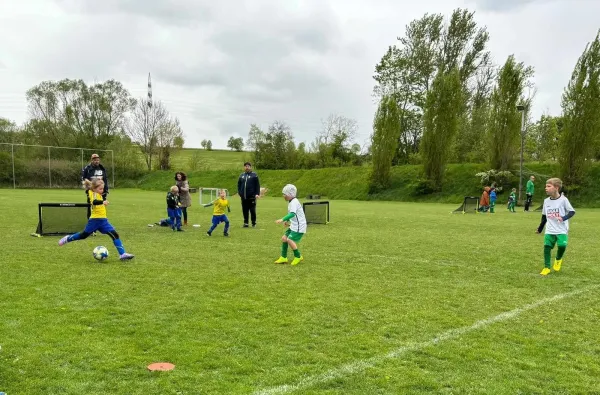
{"x":297,"y":226}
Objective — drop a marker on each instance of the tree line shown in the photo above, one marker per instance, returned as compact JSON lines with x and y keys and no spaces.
{"x":442,"y":100}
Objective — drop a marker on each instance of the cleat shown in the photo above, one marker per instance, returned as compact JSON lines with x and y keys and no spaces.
{"x":281,"y":260}
{"x":245,"y":226}
{"x":545,"y":271}
{"x":226,"y":234}
{"x":557,"y":264}
{"x":180,"y":230}
{"x":126,"y":257}
{"x":297,"y":260}
{"x":208,"y":234}
{"x":63,"y":241}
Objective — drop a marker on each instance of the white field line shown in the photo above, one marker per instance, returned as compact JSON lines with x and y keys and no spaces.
{"x":361,"y":365}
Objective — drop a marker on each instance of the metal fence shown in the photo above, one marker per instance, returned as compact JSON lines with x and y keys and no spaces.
{"x":44,"y":166}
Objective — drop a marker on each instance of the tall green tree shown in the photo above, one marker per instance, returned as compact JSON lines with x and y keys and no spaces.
{"x":441,"y":120}
{"x":542,"y":139}
{"x":386,"y":127}
{"x":505,"y":119}
{"x":407,"y":70}
{"x":581,"y":115}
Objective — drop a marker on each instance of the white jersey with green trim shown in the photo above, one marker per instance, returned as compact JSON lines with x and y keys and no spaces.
{"x":298,"y":221}
{"x":553,"y":209}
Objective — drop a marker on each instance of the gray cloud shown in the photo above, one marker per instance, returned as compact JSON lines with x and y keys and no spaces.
{"x":221,"y":66}
{"x":505,"y":5}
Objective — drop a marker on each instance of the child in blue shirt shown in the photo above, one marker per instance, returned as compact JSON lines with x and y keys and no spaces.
{"x":492,"y":200}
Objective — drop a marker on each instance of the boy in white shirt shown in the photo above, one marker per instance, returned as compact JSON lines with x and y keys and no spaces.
{"x":555,"y":216}
{"x":297,"y":226}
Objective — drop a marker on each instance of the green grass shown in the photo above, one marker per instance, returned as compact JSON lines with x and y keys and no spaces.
{"x":380,"y":277}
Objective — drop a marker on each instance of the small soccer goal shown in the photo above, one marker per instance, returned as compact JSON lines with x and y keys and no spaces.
{"x":58,"y":219}
{"x":207,"y":195}
{"x":470,"y":206}
{"x":316,"y":212}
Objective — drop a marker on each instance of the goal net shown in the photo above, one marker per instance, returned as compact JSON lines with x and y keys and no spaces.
{"x":207,"y":195}
{"x":316,"y":212}
{"x":470,"y":205}
{"x":61,"y":218}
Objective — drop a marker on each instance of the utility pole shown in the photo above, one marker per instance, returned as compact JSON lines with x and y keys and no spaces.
{"x":522,"y":109}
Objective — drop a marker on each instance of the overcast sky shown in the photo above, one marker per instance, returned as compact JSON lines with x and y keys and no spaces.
{"x":220,"y":68}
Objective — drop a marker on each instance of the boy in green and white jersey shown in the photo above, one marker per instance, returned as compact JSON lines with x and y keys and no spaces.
{"x":297,"y":226}
{"x":555,"y":216}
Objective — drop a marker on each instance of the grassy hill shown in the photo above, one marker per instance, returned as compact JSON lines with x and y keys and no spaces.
{"x":350,"y":183}
{"x":189,"y":159}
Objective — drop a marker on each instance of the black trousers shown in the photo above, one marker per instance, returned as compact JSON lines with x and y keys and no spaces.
{"x":528,"y":201}
{"x":249,"y":207}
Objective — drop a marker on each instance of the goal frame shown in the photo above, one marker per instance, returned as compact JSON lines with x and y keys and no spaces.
{"x":323,"y":202}
{"x":40,"y":227}
{"x":202,"y":191}
{"x":461,"y":209}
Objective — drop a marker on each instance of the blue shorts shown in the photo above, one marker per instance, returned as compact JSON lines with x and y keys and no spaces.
{"x":217,"y":219}
{"x":98,"y":225}
{"x":173,"y":212}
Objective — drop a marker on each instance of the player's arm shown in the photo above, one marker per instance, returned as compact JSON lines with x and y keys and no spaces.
{"x":286,"y":218}
{"x":105,"y":179}
{"x":228,"y":207}
{"x":185,"y":187}
{"x":209,"y":204}
{"x":257,"y":186}
{"x":542,"y":224}
{"x":171,"y":202}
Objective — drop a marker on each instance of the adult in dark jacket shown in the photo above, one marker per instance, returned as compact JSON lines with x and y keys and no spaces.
{"x":249,"y":191}
{"x":92,"y":171}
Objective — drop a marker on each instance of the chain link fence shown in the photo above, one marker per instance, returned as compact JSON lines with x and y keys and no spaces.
{"x":41,"y":166}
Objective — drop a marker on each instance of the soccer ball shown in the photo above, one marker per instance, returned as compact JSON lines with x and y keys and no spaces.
{"x":100,"y":253}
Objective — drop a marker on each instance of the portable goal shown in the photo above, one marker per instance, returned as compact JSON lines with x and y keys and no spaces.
{"x":58,"y":219}
{"x":470,"y":205}
{"x":316,"y":212}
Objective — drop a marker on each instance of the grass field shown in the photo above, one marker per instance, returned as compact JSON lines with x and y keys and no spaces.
{"x":392,"y":298}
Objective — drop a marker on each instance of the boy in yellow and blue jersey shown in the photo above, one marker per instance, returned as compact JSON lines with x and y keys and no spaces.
{"x":219,"y":216}
{"x":98,"y":220}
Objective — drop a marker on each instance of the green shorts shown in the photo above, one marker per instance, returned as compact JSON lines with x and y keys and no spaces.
{"x":293,"y":236}
{"x":551,"y":240}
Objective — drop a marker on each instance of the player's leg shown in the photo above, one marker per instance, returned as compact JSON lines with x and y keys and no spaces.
{"x":561,"y":242}
{"x":253,"y":211}
{"x":109,"y":230}
{"x":90,"y":228}
{"x":215,"y":223}
{"x":549,"y":242}
{"x":245,"y":211}
{"x":284,"y":247}
{"x":226,"y":230}
{"x":293,"y":240}
{"x":178,"y":220}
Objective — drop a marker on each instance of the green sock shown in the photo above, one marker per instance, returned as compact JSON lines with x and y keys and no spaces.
{"x":547,"y":253}
{"x":284,"y":247}
{"x":296,"y":253}
{"x":560,"y":252}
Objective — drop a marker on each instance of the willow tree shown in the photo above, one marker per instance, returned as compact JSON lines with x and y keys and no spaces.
{"x":386,"y":127}
{"x":443,"y":110}
{"x":581,"y":115}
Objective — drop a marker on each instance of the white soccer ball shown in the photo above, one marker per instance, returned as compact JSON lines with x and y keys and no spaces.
{"x":100,"y":253}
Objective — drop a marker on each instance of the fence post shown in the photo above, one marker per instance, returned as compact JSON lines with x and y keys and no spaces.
{"x":12,"y":149}
{"x":82,"y":166}
{"x":49,"y":171}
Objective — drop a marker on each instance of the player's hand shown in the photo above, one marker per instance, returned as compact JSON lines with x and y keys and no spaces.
{"x":537,"y":231}
{"x":105,"y":202}
{"x":559,"y":219}
{"x":279,"y":221}
{"x":257,"y":196}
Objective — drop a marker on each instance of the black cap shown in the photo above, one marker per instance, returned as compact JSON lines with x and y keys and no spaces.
{"x":247,"y":164}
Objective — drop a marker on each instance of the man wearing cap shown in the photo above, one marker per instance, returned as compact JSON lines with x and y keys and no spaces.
{"x":249,"y":191}
{"x":92,"y":171}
